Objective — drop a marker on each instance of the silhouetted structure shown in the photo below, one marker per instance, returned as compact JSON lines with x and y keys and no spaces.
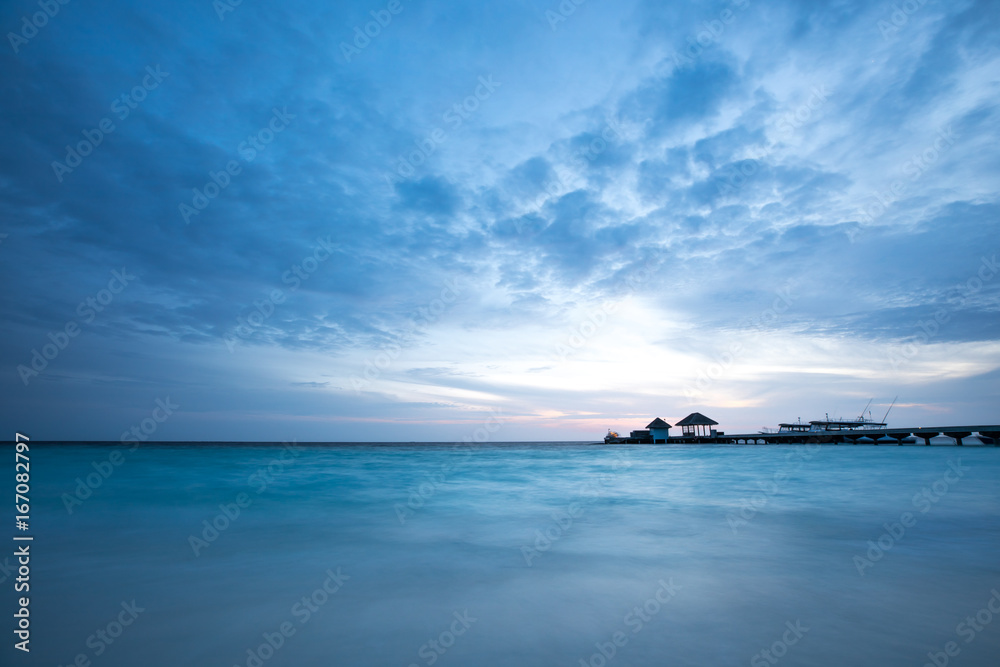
{"x":659,"y":431}
{"x":697,"y":425}
{"x":697,"y":429}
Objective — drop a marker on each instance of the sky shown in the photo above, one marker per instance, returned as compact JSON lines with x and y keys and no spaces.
{"x":528,"y":220}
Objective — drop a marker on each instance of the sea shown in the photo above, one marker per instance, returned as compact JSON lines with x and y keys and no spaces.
{"x":507,"y":554}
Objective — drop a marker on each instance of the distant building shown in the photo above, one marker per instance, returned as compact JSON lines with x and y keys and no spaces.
{"x":659,"y":431}
{"x":697,"y":425}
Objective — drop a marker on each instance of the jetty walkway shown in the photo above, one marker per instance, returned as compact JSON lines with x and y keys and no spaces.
{"x":987,"y":434}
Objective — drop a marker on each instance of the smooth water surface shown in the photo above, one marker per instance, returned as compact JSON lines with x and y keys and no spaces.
{"x":516,"y":554}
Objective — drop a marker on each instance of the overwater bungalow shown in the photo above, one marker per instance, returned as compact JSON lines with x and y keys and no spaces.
{"x":697,"y":425}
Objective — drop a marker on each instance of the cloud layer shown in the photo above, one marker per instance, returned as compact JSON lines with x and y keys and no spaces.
{"x":758,"y":211}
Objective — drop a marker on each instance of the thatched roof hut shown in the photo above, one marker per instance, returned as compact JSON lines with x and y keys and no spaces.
{"x":697,"y":424}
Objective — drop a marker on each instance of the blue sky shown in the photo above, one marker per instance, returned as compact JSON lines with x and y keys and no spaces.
{"x":562,"y":218}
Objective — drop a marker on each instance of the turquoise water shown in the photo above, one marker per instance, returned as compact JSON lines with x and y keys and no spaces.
{"x":519,"y":554}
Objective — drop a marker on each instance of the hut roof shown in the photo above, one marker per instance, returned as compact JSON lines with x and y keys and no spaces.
{"x":658,"y":423}
{"x":697,"y":419}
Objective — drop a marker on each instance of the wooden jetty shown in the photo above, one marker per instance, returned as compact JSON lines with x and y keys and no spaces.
{"x":697,"y":430}
{"x":987,"y":434}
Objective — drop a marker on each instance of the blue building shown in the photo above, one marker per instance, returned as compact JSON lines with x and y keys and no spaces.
{"x":659,"y":431}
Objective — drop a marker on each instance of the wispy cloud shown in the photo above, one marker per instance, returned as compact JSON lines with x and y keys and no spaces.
{"x":739,"y":146}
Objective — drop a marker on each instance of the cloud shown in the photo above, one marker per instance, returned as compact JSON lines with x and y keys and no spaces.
{"x":798,"y":153}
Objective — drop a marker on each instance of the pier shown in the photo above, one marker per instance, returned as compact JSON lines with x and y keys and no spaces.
{"x":987,"y":434}
{"x":697,"y":429}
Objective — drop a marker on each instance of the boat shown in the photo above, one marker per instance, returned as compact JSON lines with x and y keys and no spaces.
{"x":861,"y":423}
